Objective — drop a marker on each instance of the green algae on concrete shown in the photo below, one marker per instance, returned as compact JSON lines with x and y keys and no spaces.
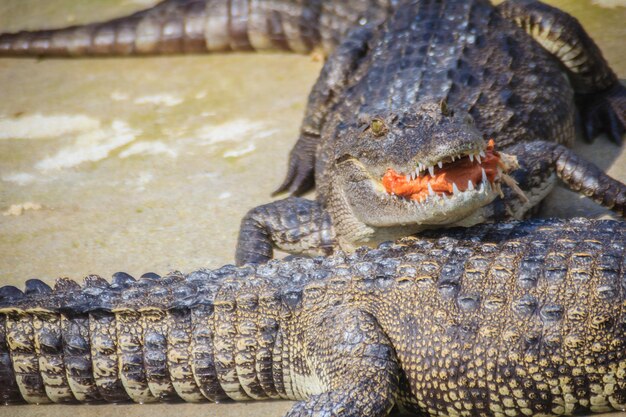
{"x":148,"y":164}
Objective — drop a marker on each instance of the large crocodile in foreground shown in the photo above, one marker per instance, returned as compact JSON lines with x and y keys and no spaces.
{"x":396,"y":128}
{"x":507,"y":319}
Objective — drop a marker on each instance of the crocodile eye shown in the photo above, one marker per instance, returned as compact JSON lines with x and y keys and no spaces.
{"x":378,"y":126}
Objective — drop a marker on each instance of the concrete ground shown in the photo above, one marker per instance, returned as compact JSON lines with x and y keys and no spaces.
{"x":149,"y":164}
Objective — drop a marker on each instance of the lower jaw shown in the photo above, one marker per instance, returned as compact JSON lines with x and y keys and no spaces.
{"x":430,"y":213}
{"x":392,"y":231}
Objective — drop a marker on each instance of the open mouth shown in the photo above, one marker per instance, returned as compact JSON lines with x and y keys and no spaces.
{"x":453,"y":175}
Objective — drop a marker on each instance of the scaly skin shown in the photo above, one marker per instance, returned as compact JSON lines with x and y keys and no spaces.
{"x":197,"y":26}
{"x":425,"y":88}
{"x":507,"y":319}
{"x":409,"y":84}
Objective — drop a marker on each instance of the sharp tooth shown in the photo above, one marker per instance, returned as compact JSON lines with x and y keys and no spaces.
{"x":478,"y":159}
{"x":470,"y":185}
{"x":455,"y":189}
{"x":482,"y":153}
{"x":471,"y":157}
{"x":452,"y":158}
{"x":430,"y":190}
{"x":431,"y":171}
{"x":419,"y":166}
{"x":485,"y":179}
{"x":440,"y":164}
{"x":408,"y":178}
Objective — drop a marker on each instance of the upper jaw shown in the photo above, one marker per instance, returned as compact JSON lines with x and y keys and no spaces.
{"x":430,"y":164}
{"x":374,"y":204}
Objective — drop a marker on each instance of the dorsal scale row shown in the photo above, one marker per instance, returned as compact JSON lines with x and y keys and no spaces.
{"x":534,"y":294}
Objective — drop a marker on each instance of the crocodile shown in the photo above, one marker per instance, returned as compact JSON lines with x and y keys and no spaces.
{"x":395,"y":134}
{"x":504,"y":319}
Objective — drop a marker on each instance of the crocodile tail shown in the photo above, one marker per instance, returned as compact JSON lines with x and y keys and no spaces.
{"x":175,"y":27}
{"x":172,"y":26}
{"x":9,"y":391}
{"x":180,"y":26}
{"x":143,"y":340}
{"x":74,"y":343}
{"x":196,"y":26}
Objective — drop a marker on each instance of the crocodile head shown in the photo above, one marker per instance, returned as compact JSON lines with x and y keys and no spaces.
{"x":427,"y":165}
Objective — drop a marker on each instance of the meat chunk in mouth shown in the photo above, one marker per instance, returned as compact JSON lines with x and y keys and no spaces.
{"x":466,"y":173}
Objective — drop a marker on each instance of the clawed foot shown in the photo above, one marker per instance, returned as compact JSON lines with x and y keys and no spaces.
{"x":301,"y":171}
{"x":605,"y":112}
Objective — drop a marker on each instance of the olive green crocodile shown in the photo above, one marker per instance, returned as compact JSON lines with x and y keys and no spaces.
{"x":500,"y":320}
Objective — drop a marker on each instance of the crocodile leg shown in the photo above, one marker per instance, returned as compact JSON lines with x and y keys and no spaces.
{"x":356,"y":366}
{"x":539,"y":162}
{"x":600,"y":96}
{"x":293,"y":224}
{"x":335,"y":76}
{"x":193,"y":26}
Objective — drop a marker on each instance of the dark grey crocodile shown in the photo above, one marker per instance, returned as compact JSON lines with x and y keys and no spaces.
{"x":396,"y":127}
{"x":498,"y":320}
{"x":394,"y":138}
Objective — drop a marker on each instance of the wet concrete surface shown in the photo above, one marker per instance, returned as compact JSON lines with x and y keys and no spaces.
{"x":149,"y":164}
